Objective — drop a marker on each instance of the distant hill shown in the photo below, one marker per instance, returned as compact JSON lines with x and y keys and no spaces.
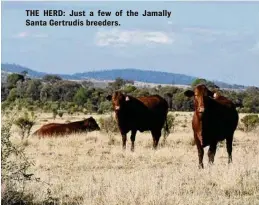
{"x":138,"y":75}
{"x":145,"y":76}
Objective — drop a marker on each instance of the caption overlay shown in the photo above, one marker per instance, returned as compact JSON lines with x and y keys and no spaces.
{"x":86,"y":18}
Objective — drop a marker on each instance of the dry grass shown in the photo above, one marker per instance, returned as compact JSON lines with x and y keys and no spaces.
{"x":85,"y":169}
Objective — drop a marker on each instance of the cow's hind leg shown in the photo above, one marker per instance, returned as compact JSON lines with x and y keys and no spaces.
{"x":229,"y":142}
{"x":156,"y":134}
{"x":212,"y":152}
{"x":132,"y":138}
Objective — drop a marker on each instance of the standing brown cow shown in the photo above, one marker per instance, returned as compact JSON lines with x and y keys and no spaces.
{"x":139,"y":114}
{"x":50,"y":129}
{"x":214,"y":120}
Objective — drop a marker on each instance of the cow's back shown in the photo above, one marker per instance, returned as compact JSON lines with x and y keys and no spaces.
{"x":154,"y":112}
{"x":153,"y":101}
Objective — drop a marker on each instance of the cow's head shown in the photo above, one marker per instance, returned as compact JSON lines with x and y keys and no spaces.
{"x":118,"y":100}
{"x":90,"y":124}
{"x":200,"y":93}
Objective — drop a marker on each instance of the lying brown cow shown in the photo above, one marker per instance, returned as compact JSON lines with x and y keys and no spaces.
{"x":214,"y":120}
{"x":57,"y":129}
{"x":139,"y":114}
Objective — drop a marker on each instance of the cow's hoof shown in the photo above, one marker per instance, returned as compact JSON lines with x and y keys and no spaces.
{"x":201,"y":166}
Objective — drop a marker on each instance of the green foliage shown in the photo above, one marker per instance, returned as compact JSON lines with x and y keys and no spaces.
{"x":89,"y":106}
{"x":54,"y":113}
{"x":84,"y":97}
{"x":129,"y":88}
{"x":181,"y":103}
{"x":25,"y":124}
{"x":45,"y":93}
{"x":170,"y":125}
{"x":24,"y":73}
{"x":12,"y":95}
{"x":60,"y":113}
{"x":209,"y":84}
{"x":171,"y":122}
{"x":141,"y":92}
{"x":118,"y":84}
{"x":252,"y":102}
{"x":104,"y":107}
{"x":5,"y":105}
{"x":51,"y":78}
{"x":81,"y":96}
{"x":198,"y":81}
{"x":34,"y":86}
{"x":250,"y":122}
{"x":12,"y":79}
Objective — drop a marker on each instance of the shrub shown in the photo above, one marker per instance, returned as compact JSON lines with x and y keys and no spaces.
{"x":250,"y":122}
{"x":25,"y":124}
{"x":104,"y":107}
{"x":109,"y":126}
{"x":171,"y":124}
{"x":54,"y":112}
{"x":15,"y":166}
{"x":60,"y":113}
{"x":5,"y":105}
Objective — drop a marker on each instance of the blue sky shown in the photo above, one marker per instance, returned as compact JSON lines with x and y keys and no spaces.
{"x":214,"y":40}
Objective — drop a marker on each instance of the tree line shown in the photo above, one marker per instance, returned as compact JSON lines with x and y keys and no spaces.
{"x":53,"y":93}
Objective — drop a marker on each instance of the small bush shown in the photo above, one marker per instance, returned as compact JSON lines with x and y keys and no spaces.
{"x":60,"y":113}
{"x":104,"y":107}
{"x":14,"y":169}
{"x":25,"y":124}
{"x":5,"y":105}
{"x":250,"y":122}
{"x":109,"y":126}
{"x":171,"y":124}
{"x":54,"y":113}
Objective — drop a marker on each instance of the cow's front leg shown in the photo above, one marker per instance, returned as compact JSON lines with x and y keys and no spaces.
{"x":200,"y":151}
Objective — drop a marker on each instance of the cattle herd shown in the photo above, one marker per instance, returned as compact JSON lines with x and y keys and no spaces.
{"x":215,"y":118}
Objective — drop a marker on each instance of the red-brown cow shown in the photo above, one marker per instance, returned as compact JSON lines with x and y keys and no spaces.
{"x":57,"y":129}
{"x":214,"y":120}
{"x":139,"y":114}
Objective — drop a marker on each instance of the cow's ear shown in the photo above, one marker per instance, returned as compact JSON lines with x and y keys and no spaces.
{"x":127,"y":98}
{"x":189,"y":93}
{"x":108,"y":97}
